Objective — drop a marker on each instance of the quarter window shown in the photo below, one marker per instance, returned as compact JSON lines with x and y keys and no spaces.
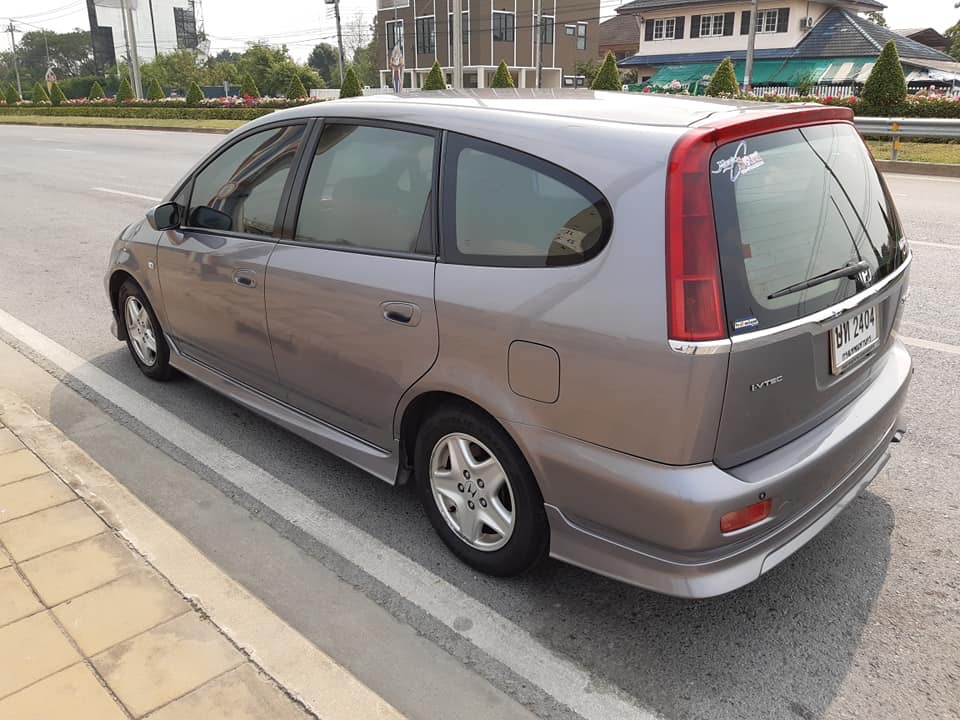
{"x":426,"y":35}
{"x":711,"y":25}
{"x":240,"y":190}
{"x":368,"y":188}
{"x":503,"y":207}
{"x":503,"y":27}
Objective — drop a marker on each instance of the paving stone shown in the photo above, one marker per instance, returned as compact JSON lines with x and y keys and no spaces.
{"x":8,"y":441}
{"x":50,"y":529}
{"x":16,"y":599}
{"x":73,"y":693}
{"x":28,"y":496}
{"x":76,"y":569}
{"x":119,"y":610}
{"x":31,"y":649}
{"x":19,"y":465}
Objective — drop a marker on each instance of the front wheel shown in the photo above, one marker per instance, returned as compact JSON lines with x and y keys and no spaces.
{"x":479,"y":493}
{"x":145,"y":338}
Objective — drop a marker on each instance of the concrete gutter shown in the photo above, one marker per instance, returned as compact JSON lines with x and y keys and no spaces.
{"x":919,"y":168}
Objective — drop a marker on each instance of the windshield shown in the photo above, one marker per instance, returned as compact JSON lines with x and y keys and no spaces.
{"x":793,"y":205}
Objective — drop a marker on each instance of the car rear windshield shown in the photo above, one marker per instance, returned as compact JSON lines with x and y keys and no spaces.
{"x":792,"y":205}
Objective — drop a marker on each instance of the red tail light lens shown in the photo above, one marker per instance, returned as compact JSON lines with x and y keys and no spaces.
{"x":694,"y":295}
{"x":745,"y":517}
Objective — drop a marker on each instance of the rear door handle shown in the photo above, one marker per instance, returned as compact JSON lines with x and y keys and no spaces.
{"x":245,"y":278}
{"x":402,"y":313}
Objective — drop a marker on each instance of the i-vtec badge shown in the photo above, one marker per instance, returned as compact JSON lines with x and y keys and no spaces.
{"x":766,"y":383}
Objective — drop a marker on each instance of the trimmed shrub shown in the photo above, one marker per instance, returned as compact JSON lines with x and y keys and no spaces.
{"x":133,"y":111}
{"x":248,"y":87}
{"x":154,"y":90}
{"x":194,"y":95}
{"x":96,"y":91}
{"x":502,"y":78}
{"x":608,"y":78}
{"x":56,"y":95}
{"x":39,"y":93}
{"x":125,"y":91}
{"x":296,"y":90}
{"x":724,"y":80}
{"x":11,"y":96}
{"x":351,"y":86}
{"x":435,"y":80}
{"x":886,"y":87}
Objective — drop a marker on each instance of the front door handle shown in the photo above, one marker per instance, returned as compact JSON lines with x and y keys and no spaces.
{"x":245,"y":278}
{"x":402,"y":313}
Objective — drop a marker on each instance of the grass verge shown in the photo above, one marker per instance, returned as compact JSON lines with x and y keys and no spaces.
{"x":947,"y":153}
{"x":122,"y":122}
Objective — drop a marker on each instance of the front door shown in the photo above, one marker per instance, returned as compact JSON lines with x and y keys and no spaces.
{"x":350,"y":296}
{"x":212,"y":269}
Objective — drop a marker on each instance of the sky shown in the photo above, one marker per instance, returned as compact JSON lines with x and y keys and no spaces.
{"x":301,"y":24}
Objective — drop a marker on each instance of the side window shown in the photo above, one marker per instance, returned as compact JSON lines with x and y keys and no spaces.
{"x":508,"y":208}
{"x":240,"y":190}
{"x":368,"y":188}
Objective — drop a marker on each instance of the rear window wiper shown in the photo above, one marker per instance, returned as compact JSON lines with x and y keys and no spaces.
{"x":851,"y":269}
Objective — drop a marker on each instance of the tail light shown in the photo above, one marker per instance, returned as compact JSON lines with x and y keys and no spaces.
{"x":694,"y":298}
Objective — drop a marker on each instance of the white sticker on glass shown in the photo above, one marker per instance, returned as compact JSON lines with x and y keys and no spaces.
{"x":740,"y":163}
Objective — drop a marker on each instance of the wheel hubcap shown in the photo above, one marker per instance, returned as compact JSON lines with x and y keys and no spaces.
{"x":143,"y":340}
{"x":472,"y":491}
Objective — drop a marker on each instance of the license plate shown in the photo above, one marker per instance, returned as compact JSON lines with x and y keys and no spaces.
{"x":853,"y":338}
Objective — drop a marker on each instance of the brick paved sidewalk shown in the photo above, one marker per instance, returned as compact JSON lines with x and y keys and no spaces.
{"x":89,"y":630}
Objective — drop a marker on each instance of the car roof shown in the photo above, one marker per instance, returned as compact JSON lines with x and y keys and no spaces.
{"x":448,"y":109}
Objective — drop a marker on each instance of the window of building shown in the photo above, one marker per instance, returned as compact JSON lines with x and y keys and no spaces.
{"x":767,"y":21}
{"x":664,"y":29}
{"x":504,"y":24}
{"x":464,"y":25}
{"x":239,"y":191}
{"x":581,"y":36}
{"x":506,"y":208}
{"x":569,"y":30}
{"x":368,"y":188}
{"x":394,"y":33}
{"x":546,"y":30}
{"x":711,"y":25}
{"x":185,"y":23}
{"x":426,"y":35}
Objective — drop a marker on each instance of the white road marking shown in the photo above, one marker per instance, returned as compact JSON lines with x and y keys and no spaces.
{"x":127,"y":194}
{"x":74,"y":150}
{"x":501,"y":639}
{"x":931,"y":345}
{"x":934,"y":244}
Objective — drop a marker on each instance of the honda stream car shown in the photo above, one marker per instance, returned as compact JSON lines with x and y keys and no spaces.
{"x":655,"y":337}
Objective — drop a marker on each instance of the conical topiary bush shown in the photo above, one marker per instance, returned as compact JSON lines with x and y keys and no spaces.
{"x":296,"y":90}
{"x":502,"y":78}
{"x":11,"y":96}
{"x":608,"y":78}
{"x":96,"y":91}
{"x":56,"y":95}
{"x":154,"y":90}
{"x":724,"y":80}
{"x":248,"y":87}
{"x":435,"y":80}
{"x":886,"y":87}
{"x":125,"y":91}
{"x":40,"y":93}
{"x":351,"y":86}
{"x":194,"y":95}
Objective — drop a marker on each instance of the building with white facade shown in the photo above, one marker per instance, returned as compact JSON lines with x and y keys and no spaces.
{"x":160,"y":26}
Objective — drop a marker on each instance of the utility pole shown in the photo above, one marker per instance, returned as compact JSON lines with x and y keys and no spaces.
{"x":751,"y":41}
{"x":153,"y":28}
{"x":458,"y":44}
{"x":539,"y":45}
{"x":132,"y":55}
{"x":16,"y":67}
{"x":341,"y":59}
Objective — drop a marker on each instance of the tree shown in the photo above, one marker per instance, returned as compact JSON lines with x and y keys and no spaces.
{"x":70,"y":54}
{"x":56,"y":95}
{"x":435,"y":80}
{"x":502,"y":78}
{"x":724,"y":80}
{"x":953,"y":35}
{"x":351,"y":86}
{"x":40,"y":93}
{"x":876,"y":16}
{"x":609,"y":77}
{"x":194,"y":95}
{"x":96,"y":91}
{"x":11,"y":96}
{"x":248,"y":87}
{"x":589,"y":70}
{"x":154,"y":90}
{"x":296,"y":90}
{"x":886,"y":87}
{"x":323,"y":57}
{"x":366,"y":59}
{"x":125,"y":91}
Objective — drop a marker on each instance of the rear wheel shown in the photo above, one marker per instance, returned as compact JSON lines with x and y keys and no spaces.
{"x":145,"y":338}
{"x":479,"y":493}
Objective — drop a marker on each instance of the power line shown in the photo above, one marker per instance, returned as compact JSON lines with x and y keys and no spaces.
{"x":34,"y":16}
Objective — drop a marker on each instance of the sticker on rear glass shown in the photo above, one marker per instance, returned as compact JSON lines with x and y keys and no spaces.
{"x":745,"y":323}
{"x":740,"y":163}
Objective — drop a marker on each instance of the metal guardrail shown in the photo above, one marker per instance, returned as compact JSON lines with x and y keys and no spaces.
{"x":907,"y":127}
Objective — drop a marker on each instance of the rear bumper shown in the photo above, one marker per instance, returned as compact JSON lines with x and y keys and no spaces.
{"x":657,"y":526}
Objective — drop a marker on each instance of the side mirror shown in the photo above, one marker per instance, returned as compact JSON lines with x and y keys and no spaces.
{"x":164,"y":217}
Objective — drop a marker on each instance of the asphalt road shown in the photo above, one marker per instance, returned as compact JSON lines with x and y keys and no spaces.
{"x":860,"y":623}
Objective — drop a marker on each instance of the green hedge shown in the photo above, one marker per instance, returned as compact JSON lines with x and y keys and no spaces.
{"x":148,"y":113}
{"x":913,"y":107}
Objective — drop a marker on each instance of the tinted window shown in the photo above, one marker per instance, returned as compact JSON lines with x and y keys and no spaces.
{"x":509,"y":208}
{"x":240,"y":190}
{"x":795,"y":204}
{"x":368,"y":187}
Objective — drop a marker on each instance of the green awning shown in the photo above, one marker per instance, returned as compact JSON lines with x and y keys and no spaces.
{"x":779,"y":72}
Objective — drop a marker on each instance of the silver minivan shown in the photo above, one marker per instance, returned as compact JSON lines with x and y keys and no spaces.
{"x":655,"y":337}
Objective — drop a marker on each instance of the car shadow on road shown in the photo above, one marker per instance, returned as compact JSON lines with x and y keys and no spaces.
{"x":777,"y":648}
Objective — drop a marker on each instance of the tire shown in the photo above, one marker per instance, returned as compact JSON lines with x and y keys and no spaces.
{"x":145,"y":338}
{"x":510,"y":549}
